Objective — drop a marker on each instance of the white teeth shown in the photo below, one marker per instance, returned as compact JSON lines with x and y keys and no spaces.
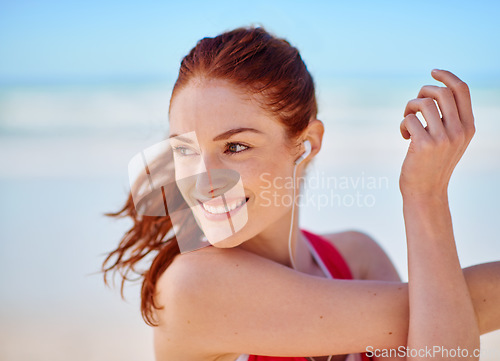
{"x":221,"y":209}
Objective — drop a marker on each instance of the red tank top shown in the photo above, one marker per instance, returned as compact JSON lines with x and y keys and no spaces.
{"x":337,"y":267}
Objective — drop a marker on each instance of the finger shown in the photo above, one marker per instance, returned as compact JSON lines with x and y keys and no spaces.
{"x":461,"y":93}
{"x":411,"y":127}
{"x":449,"y":111}
{"x":428,"y":108}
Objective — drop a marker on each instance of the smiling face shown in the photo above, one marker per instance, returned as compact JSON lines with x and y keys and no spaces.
{"x":219,"y":132}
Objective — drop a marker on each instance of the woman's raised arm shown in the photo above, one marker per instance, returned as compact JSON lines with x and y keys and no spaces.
{"x":441,"y":311}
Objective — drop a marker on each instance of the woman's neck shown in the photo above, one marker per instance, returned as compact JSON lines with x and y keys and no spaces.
{"x":272,"y":243}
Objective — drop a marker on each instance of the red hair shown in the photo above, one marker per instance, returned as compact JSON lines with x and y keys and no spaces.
{"x":261,"y":64}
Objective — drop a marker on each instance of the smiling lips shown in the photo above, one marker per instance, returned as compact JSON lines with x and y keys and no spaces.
{"x":219,"y":208}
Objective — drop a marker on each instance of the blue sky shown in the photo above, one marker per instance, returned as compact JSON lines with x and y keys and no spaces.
{"x":69,"y":40}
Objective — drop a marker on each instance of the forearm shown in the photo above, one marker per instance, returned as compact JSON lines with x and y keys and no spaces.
{"x":441,"y":310}
{"x":483,"y":282}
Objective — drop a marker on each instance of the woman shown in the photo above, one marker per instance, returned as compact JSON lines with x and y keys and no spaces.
{"x":266,"y":289}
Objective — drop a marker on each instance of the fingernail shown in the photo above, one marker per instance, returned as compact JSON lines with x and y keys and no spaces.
{"x":434,"y":70}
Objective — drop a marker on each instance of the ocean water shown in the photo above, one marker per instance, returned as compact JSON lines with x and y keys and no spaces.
{"x":64,"y":154}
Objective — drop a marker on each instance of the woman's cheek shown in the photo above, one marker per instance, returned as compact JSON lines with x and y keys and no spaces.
{"x":269,"y":182}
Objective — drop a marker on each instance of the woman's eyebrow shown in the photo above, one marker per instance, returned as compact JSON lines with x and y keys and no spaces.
{"x":231,"y":132}
{"x":222,"y":136}
{"x":181,"y":138}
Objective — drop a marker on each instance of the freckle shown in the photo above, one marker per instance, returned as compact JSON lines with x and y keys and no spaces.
{"x":320,"y":316}
{"x":400,"y":288}
{"x":375,"y":294}
{"x":237,"y":265}
{"x":168,"y":339}
{"x":390,"y":333}
{"x":236,"y":333}
{"x":484,"y":300}
{"x":189,"y":321}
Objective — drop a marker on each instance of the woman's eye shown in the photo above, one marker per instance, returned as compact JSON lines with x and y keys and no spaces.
{"x":183,"y":151}
{"x":233,"y":148}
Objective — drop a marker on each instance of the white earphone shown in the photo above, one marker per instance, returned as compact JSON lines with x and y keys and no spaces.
{"x":307,"y":145}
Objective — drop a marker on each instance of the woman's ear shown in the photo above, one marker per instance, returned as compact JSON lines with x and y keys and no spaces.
{"x":314,"y":134}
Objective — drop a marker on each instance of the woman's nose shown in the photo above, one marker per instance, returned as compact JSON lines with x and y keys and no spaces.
{"x":208,"y":184}
{"x":216,"y":182}
{"x":212,"y":178}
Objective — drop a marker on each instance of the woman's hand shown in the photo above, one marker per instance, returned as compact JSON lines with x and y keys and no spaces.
{"x":435,"y":150}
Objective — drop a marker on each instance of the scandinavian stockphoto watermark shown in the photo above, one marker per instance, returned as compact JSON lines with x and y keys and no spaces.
{"x":323,"y":191}
{"x":427,"y":352}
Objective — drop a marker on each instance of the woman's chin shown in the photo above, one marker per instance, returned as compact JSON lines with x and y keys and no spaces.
{"x":230,"y":242}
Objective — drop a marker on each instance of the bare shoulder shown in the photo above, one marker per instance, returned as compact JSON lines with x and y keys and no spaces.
{"x":182,"y":291}
{"x":192,"y":273}
{"x":364,"y":255}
